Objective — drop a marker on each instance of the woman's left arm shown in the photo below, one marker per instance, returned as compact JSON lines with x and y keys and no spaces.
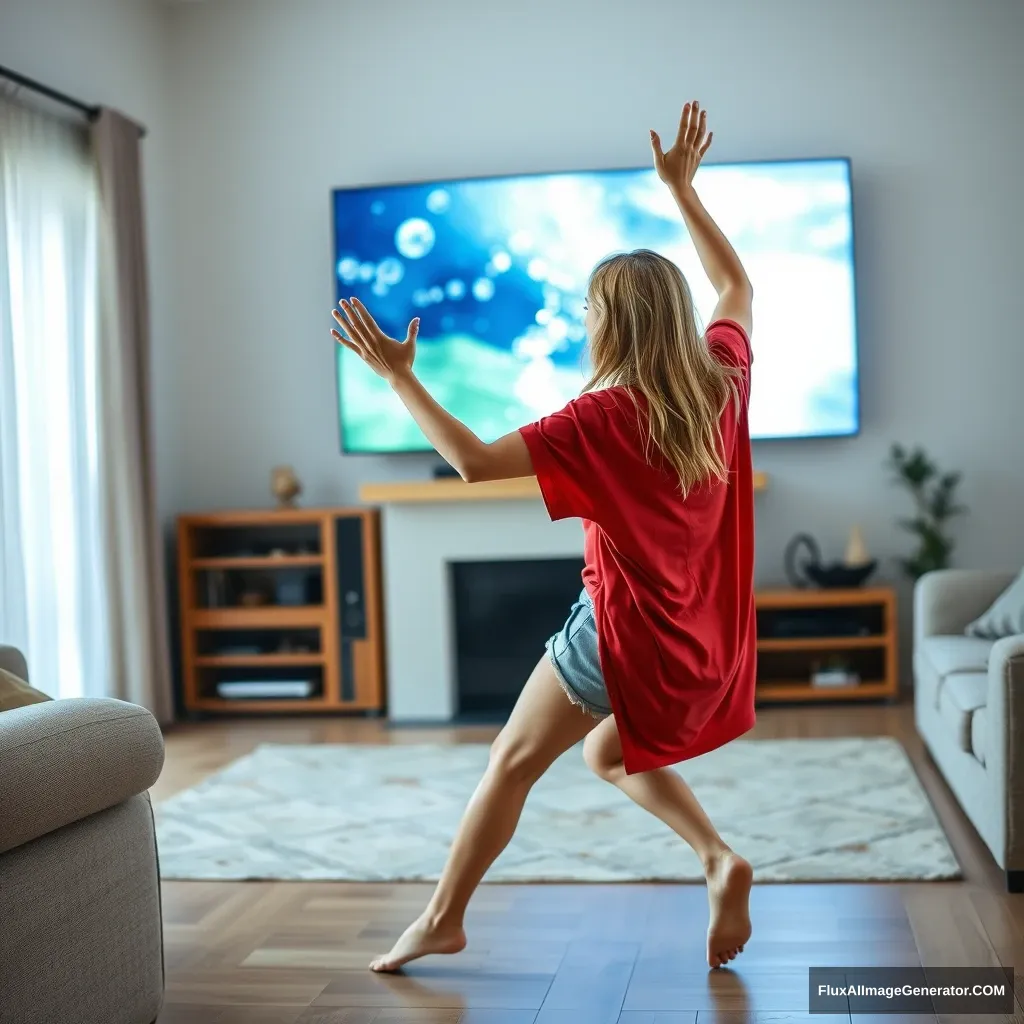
{"x":474,"y":460}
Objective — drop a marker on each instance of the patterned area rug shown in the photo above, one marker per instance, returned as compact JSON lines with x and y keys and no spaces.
{"x":800,"y":810}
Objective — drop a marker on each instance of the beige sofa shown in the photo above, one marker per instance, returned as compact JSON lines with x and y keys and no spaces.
{"x":969,"y":707}
{"x":80,"y":927}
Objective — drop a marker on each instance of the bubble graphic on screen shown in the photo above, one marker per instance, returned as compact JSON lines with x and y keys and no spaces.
{"x":348,"y":269}
{"x":414,"y":238}
{"x":483,"y":289}
{"x":521,"y":241}
{"x":537,"y":269}
{"x":439,"y":200}
{"x":436,"y":294}
{"x":379,"y":288}
{"x":455,"y":288}
{"x":421,"y":298}
{"x":543,"y":316}
{"x":501,"y":261}
{"x":558,"y":329}
{"x":577,"y":332}
{"x":390,"y":271}
{"x":367,"y":271}
{"x":377,"y":207}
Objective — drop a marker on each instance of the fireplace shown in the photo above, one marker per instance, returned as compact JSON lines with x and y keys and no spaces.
{"x":504,"y":611}
{"x":422,"y":542}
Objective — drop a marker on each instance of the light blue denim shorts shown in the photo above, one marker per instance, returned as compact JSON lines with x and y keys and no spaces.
{"x":574,"y":657}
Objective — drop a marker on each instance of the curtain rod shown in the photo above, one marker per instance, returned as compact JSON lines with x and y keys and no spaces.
{"x":90,"y":111}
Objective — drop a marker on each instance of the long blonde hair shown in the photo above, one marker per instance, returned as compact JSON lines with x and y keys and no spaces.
{"x":647,"y":340}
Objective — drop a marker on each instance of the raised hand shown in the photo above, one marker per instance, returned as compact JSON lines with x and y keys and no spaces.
{"x":678,"y":166}
{"x":387,"y":357}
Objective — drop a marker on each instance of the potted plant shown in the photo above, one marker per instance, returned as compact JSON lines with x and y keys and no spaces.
{"x":934,"y":494}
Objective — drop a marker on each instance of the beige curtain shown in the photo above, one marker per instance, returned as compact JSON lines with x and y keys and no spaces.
{"x":138,"y":646}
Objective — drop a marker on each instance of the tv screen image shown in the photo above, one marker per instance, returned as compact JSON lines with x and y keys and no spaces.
{"x":497,"y":270}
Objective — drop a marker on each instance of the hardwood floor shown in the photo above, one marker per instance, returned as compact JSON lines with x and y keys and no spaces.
{"x":289,"y":952}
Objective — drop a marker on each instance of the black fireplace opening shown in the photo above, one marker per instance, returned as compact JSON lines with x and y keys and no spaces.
{"x":505,"y":611}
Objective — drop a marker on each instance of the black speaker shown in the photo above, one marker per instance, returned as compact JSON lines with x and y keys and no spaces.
{"x":352,"y":624}
{"x":348,"y":540}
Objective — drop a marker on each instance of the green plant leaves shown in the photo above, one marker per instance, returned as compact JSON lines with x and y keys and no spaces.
{"x":934,"y":496}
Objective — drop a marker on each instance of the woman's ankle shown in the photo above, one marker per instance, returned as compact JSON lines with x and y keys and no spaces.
{"x":442,"y":919}
{"x":714,"y":856}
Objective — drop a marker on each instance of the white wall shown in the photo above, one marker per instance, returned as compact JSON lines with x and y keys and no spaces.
{"x":113,"y":52}
{"x":277,"y":103}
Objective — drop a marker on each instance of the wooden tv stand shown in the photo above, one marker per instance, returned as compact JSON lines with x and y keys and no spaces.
{"x":318,"y":620}
{"x":786,"y":662}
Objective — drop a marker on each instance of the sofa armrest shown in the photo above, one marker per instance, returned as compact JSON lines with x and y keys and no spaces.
{"x":947,"y":600}
{"x":1005,"y":717}
{"x":66,"y":759}
{"x":13,"y":661}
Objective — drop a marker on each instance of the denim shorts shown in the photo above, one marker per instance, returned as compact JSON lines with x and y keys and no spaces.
{"x":574,"y":657}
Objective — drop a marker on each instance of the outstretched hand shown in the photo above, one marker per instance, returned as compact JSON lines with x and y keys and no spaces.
{"x":387,"y":357}
{"x":678,"y":166}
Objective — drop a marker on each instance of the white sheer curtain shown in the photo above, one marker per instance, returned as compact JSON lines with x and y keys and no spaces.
{"x":52,"y":600}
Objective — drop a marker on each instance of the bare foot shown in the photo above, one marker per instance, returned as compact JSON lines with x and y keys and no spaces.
{"x":729,"y":880}
{"x":421,"y":938}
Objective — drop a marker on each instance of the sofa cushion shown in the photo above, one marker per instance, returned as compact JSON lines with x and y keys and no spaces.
{"x":1005,"y":617}
{"x":16,"y":693}
{"x":979,"y":733}
{"x":961,"y":695}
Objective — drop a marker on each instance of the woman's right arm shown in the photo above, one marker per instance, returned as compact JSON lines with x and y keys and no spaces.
{"x":676,"y":168}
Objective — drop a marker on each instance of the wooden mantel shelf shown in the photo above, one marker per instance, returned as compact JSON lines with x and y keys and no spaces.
{"x":454,"y":489}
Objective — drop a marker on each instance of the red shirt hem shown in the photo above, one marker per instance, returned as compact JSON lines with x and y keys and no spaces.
{"x":636,"y":760}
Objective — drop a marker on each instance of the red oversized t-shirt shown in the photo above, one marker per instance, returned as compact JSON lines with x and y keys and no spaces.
{"x":671,"y":578}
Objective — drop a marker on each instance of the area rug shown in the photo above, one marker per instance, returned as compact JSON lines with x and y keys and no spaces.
{"x":799,"y":810}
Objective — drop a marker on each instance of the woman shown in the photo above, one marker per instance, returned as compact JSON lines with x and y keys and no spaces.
{"x":656,"y":662}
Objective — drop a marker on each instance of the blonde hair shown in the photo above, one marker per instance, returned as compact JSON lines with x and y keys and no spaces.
{"x":647,"y":340}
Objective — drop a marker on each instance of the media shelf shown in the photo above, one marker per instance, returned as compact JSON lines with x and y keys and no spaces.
{"x":289,"y":598}
{"x":802,"y":632}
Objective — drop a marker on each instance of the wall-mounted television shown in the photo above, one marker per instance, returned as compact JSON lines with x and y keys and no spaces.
{"x":497,"y":268}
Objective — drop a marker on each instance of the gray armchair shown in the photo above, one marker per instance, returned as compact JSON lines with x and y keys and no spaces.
{"x":80,"y":937}
{"x":969,"y":707}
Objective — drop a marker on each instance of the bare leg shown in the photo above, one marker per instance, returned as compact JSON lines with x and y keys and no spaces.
{"x":668,"y":797}
{"x":543,"y":725}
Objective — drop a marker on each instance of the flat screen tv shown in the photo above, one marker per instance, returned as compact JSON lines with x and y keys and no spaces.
{"x":497,"y":269}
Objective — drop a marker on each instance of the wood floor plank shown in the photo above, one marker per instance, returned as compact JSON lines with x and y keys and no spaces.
{"x":593,"y":1016}
{"x":261,"y":1014}
{"x":320,"y":1015}
{"x":720,"y":991}
{"x":772,"y":1017}
{"x":647,"y":1017}
{"x":189,"y":1014}
{"x":949,"y":932}
{"x":1005,"y":935}
{"x":592,"y":980}
{"x":228,"y":988}
{"x":481,"y":1016}
{"x":411,"y":1015}
{"x":893,"y":1018}
{"x":437,"y":988}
